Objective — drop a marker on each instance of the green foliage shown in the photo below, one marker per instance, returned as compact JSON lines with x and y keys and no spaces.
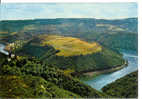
{"x":31,"y":87}
{"x":23,"y":66}
{"x":2,"y":58}
{"x":33,"y":48}
{"x":125,"y":87}
{"x":95,"y":61}
{"x":119,"y":41}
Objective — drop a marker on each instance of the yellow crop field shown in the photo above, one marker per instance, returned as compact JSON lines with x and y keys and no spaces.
{"x":70,"y":46}
{"x":3,"y":32}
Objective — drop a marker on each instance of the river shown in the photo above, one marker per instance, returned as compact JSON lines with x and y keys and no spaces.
{"x":2,"y":49}
{"x":104,"y":79}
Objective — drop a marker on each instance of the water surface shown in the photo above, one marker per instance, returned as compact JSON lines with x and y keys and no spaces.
{"x":104,"y":79}
{"x":2,"y":47}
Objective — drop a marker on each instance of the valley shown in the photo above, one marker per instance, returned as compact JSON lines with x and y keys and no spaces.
{"x":56,"y":52}
{"x":102,"y":80}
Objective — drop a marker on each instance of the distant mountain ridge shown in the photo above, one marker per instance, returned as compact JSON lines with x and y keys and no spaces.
{"x":114,"y":34}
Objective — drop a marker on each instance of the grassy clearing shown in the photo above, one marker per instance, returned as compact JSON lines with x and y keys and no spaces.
{"x":69,"y":46}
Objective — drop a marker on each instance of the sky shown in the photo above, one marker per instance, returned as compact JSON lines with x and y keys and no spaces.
{"x":20,"y":11}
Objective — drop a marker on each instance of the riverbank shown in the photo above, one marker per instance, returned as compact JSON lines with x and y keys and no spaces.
{"x":105,"y":71}
{"x":92,"y":74}
{"x":102,"y":80}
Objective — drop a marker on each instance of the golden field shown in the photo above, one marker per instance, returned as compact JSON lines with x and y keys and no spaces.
{"x":69,"y":46}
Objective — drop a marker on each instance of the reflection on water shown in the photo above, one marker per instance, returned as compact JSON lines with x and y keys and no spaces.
{"x":104,"y":79}
{"x":2,"y":49}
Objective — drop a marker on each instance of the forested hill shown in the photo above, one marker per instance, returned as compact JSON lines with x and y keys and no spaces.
{"x":114,"y":34}
{"x":125,"y":87}
{"x":26,"y":77}
{"x":69,"y":53}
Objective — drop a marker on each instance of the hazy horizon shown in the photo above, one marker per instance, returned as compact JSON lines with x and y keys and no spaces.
{"x":66,"y":18}
{"x":29,"y":11}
